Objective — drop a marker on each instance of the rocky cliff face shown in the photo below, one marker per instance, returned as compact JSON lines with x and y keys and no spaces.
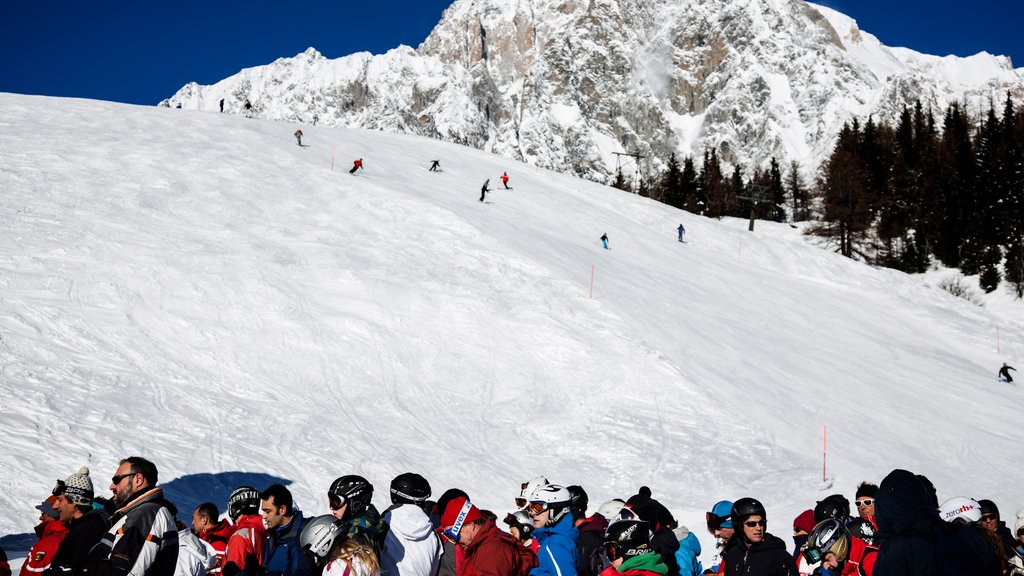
{"x":564,"y":84}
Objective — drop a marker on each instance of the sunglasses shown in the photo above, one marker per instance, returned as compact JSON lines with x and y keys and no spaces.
{"x":117,"y":479}
{"x":752,"y":523}
{"x":866,"y":502}
{"x":987,"y":517}
{"x":537,"y":508}
{"x":59,"y":488}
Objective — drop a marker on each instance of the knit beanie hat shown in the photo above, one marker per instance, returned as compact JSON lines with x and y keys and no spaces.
{"x":805,"y":521}
{"x":458,"y":512}
{"x":78,"y":488}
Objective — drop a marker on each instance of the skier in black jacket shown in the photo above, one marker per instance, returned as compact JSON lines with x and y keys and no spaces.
{"x":752,"y":551}
{"x":1004,"y":372}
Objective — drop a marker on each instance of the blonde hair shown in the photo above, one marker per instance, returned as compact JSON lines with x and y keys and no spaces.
{"x":359,"y":557}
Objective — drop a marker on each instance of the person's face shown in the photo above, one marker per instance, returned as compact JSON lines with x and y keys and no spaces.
{"x":340,"y":512}
{"x":467,"y":534}
{"x":753,"y":529}
{"x":989,"y":521}
{"x":65,"y":509}
{"x":200,"y":522}
{"x":514,"y":531}
{"x":865,"y":507}
{"x":1020,"y":537}
{"x":724,"y":533}
{"x":125,"y":484}
{"x":540,"y":519}
{"x":829,"y":561}
{"x":273,"y":515}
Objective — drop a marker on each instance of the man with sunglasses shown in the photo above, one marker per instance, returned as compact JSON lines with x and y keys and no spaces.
{"x":990,"y":521}
{"x":85,"y":525}
{"x":752,"y":551}
{"x":143,"y":539}
{"x":486,"y":550}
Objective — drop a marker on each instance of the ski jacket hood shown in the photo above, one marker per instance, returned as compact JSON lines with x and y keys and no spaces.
{"x":903,"y":504}
{"x":411,"y":547}
{"x":557,"y":556}
{"x":650,"y":563}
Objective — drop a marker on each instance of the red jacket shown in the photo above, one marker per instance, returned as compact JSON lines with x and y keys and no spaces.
{"x":40,"y":556}
{"x":246,"y":547}
{"x":358,"y":163}
{"x":504,"y":178}
{"x":494,"y":553}
{"x":217,"y":537}
{"x":862,"y":557}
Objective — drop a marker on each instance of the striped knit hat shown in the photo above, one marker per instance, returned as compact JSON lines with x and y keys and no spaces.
{"x":78,"y":488}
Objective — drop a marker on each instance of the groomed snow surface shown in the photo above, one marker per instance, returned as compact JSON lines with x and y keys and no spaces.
{"x":195,"y":288}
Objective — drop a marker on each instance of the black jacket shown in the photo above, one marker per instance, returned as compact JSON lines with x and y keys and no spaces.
{"x":768,"y":557}
{"x":908,"y":526}
{"x":72,"y":555}
{"x":142,"y":540}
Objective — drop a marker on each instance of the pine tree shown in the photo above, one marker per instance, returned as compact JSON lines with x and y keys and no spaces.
{"x":671,"y":185}
{"x":797,"y":192}
{"x":776,"y":192}
{"x":690,"y":188}
{"x":847,"y":210}
{"x":620,"y":182}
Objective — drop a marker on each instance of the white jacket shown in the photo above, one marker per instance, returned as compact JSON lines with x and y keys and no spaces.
{"x":195,"y":557}
{"x":411,"y":547}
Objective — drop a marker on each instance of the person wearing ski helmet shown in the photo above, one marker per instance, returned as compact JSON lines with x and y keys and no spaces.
{"x":349,"y":498}
{"x":521,"y":527}
{"x":527,"y":488}
{"x":833,"y":506}
{"x":832,"y":544}
{"x":410,"y":547}
{"x":966,"y":547}
{"x":752,"y":550}
{"x":719,"y":522}
{"x":556,"y":531}
{"x":627,"y":545}
{"x":324,"y":543}
{"x":661,"y":523}
{"x":591,"y":541}
{"x":247,"y":545}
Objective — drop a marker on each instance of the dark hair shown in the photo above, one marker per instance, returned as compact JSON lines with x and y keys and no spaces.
{"x":142,"y":466}
{"x":489,"y":515}
{"x":209,"y":511}
{"x":281,"y":495}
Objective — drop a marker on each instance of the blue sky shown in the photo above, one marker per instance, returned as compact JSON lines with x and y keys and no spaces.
{"x":141,"y":52}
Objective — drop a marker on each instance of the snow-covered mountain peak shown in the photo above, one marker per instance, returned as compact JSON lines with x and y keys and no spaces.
{"x":564,"y":84}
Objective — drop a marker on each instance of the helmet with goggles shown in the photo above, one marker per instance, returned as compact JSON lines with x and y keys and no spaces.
{"x":552,"y":498}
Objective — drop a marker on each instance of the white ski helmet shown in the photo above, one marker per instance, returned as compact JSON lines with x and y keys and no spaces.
{"x":553,"y":498}
{"x":960,"y":510}
{"x":318,"y":536}
{"x":526,"y":489}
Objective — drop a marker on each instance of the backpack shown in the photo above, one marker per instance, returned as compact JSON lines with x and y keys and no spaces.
{"x":525,"y":559}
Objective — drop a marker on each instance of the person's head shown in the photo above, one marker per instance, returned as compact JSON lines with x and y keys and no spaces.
{"x":47,"y":510}
{"x":834,"y":506}
{"x":802,"y":526}
{"x":205,"y":516}
{"x":409,"y":488}
{"x":750,"y":518}
{"x":73,"y":495}
{"x":318,"y":537}
{"x":350,"y":497}
{"x":960,"y":510}
{"x":276,"y":506}
{"x":829,"y":542}
{"x":520,"y":525}
{"x":243,"y":501}
{"x":461,"y":521}
{"x":348,"y":550}
{"x":134,"y":475}
{"x":578,"y":503}
{"x":720,"y":520}
{"x":610,"y":509}
{"x":865,"y":499}
{"x":1020,"y":526}
{"x":989,"y":515}
{"x":527,"y":488}
{"x":549,"y":504}
{"x":625,"y":539}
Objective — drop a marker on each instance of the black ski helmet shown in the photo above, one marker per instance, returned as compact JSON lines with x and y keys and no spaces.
{"x":627,"y":538}
{"x":579,"y":502}
{"x":745,"y":508}
{"x":862,"y":529}
{"x":244,"y":500}
{"x":409,"y":488}
{"x":353,"y":490}
{"x":834,"y":506}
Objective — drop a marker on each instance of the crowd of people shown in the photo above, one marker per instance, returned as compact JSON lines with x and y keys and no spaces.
{"x":900,"y":529}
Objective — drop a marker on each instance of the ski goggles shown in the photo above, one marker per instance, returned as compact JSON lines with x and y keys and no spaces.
{"x":522,"y":501}
{"x":715,"y":521}
{"x":335,"y":501}
{"x":535,"y":508}
{"x":450,"y":536}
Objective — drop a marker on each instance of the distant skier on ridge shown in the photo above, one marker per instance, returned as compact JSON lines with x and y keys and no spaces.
{"x":682,"y":232}
{"x":604,"y":240}
{"x":483,"y":190}
{"x":356,"y":165}
{"x":298,"y":136}
{"x":504,"y":180}
{"x":435,"y":165}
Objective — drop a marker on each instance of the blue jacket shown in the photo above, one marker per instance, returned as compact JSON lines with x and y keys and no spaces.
{"x":284,"y":555}
{"x":557,"y":554}
{"x":686,"y":556}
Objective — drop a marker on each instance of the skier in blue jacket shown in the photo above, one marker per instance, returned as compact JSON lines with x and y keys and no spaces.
{"x":556,"y":531}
